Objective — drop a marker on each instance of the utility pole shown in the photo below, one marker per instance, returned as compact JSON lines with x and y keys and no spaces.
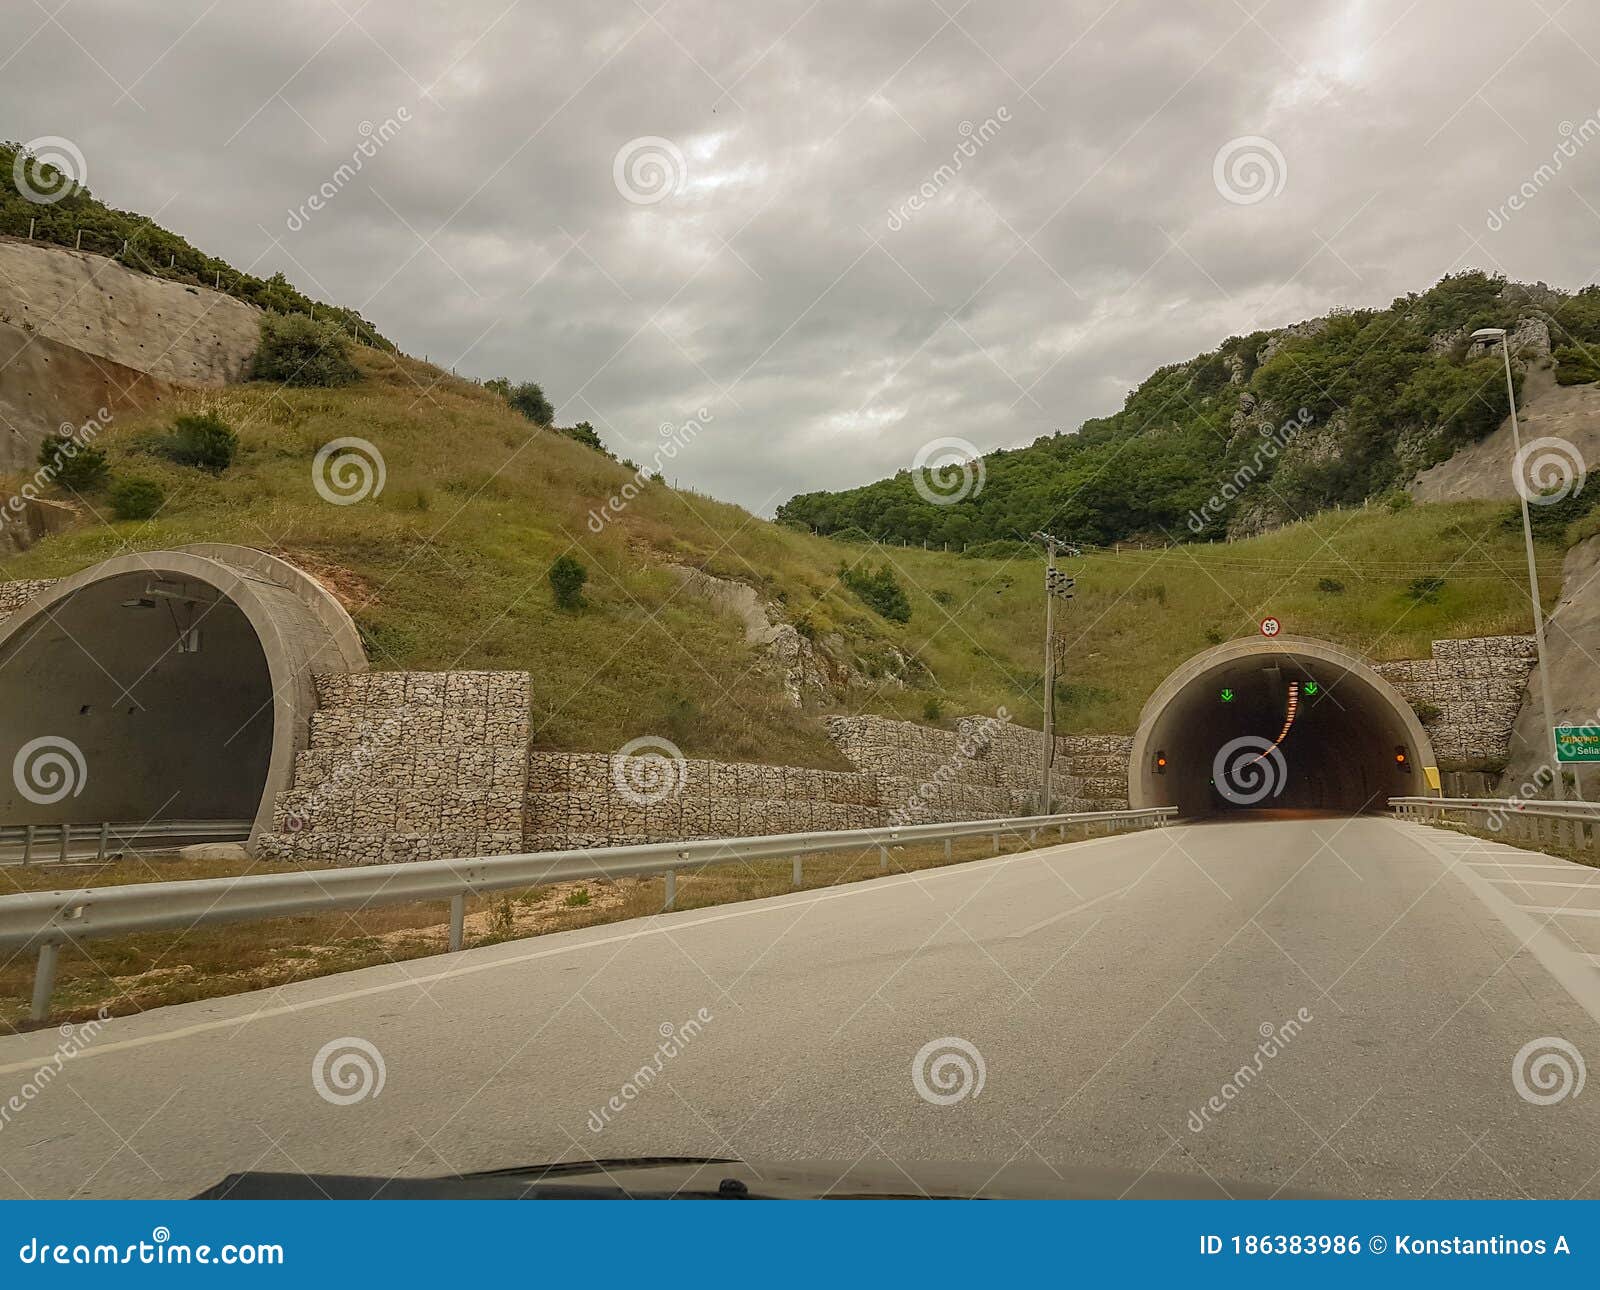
{"x":1056,"y":585}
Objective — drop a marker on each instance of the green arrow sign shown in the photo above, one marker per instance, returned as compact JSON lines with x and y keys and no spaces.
{"x":1311,"y":687}
{"x":1227,"y":696}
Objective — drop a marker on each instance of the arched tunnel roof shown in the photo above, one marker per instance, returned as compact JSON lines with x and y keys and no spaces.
{"x":1182,"y":714}
{"x":300,"y":628}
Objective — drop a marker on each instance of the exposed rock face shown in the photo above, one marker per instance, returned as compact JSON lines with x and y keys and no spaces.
{"x":1572,"y":634}
{"x":805,"y":670}
{"x":80,"y":332}
{"x":1276,"y":341}
{"x":1548,"y":410}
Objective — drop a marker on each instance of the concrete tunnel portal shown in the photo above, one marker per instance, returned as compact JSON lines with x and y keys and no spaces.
{"x":165,"y":685}
{"x":1289,"y":723}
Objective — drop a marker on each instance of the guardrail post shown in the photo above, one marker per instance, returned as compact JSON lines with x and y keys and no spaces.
{"x":66,"y":836}
{"x":883,"y":854}
{"x":27,"y":845}
{"x":44,"y":981}
{"x":458,"y":920}
{"x":996,"y":840}
{"x":798,"y":876}
{"x":672,"y":889}
{"x":105,"y":837}
{"x":949,"y":850}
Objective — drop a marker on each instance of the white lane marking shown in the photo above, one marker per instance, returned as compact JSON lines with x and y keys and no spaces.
{"x":659,"y":926}
{"x":1557,"y":868}
{"x":1068,"y":913}
{"x":1572,"y":970}
{"x":1564,"y":911}
{"x":1544,"y":882}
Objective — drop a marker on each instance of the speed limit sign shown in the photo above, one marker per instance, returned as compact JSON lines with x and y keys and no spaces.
{"x":1270,"y":627}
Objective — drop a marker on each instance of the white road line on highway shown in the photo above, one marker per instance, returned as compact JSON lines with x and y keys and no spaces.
{"x":1558,"y":868}
{"x":1068,"y":913}
{"x":657,"y":926}
{"x":1565,"y":910}
{"x":1571,"y":969}
{"x":1543,"y":882}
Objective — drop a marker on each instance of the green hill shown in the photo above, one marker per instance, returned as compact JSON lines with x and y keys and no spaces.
{"x":447,"y":567}
{"x":1330,"y":412}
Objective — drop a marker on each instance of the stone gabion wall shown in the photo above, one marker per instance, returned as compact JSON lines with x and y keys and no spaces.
{"x":408,"y":766}
{"x":1476,"y":684}
{"x":984,"y":768}
{"x":14,"y":595}
{"x":587,"y":800}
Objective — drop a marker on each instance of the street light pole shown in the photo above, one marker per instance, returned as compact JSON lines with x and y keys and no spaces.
{"x":1049,"y":752}
{"x":1499,"y":333}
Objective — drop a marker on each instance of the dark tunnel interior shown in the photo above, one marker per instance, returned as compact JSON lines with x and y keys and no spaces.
{"x":1346,"y":749}
{"x":135,"y":699}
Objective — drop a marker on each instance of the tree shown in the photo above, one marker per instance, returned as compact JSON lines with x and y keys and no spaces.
{"x":75,"y":466}
{"x":585,"y":434}
{"x":527,"y":398}
{"x":567,"y":577}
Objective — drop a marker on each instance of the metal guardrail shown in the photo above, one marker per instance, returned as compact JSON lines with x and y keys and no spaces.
{"x":1575,"y":824}
{"x":47,"y":919}
{"x":63,"y":841}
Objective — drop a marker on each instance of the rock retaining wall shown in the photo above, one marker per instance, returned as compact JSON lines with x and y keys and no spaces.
{"x":408,"y":766}
{"x":1467,"y":694}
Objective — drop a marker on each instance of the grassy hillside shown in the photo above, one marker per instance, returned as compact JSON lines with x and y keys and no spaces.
{"x":1329,"y":412}
{"x":447,"y":568}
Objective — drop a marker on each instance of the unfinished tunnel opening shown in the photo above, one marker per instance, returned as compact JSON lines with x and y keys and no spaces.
{"x":169,"y":685}
{"x":1285,"y":724}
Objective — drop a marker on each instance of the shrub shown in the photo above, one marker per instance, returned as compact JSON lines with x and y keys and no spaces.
{"x":136,"y":498}
{"x":1397,"y":499}
{"x":585,"y":434}
{"x":296,"y":350}
{"x":578,"y":899}
{"x":932,"y":710}
{"x":880,"y":590}
{"x":1425,"y":589}
{"x":206,"y":442}
{"x":1331,"y":585}
{"x":528,"y":399}
{"x":75,"y":466}
{"x":1576,"y":366}
{"x":1427,"y":713}
{"x":851,"y":534}
{"x":567,"y":577}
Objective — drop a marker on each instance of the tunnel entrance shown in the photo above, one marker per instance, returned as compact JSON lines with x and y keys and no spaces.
{"x":168,"y":685}
{"x":1280,"y":724}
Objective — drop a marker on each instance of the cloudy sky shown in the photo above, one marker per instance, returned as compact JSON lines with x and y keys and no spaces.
{"x":842,"y":228}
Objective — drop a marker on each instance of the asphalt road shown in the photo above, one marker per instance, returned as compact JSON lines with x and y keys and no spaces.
{"x":1112,"y":988}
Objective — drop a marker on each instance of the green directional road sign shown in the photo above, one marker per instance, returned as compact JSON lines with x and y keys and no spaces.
{"x":1578,"y":743}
